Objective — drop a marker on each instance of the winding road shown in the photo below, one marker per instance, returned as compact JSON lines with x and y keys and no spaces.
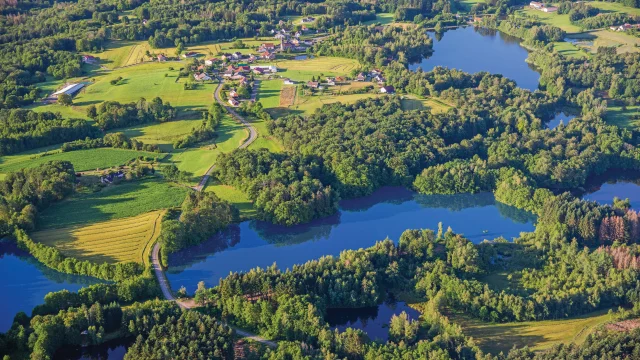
{"x":253,"y":134}
{"x":155,"y":253}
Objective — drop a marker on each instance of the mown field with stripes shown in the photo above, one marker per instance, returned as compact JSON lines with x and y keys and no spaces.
{"x":120,"y":240}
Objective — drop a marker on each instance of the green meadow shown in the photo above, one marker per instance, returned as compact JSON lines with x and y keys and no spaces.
{"x":126,"y":199}
{"x":81,"y":159}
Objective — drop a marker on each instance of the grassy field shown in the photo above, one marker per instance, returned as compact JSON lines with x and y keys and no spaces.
{"x":162,"y":134}
{"x":269,"y":93}
{"x":141,"y":81}
{"x":114,"y":202}
{"x":309,"y":104}
{"x":304,"y":70}
{"x":622,"y":118}
{"x":595,"y":39}
{"x":234,"y":196}
{"x":570,"y":50}
{"x":560,"y":20}
{"x":382,"y":18}
{"x":120,"y":240}
{"x":436,"y":105}
{"x":538,"y":335}
{"x":198,"y":160}
{"x":81,"y":159}
{"x":467,"y":4}
{"x":614,"y":7}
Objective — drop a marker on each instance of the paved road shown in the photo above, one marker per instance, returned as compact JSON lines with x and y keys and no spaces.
{"x":253,"y":134}
{"x":155,"y":254}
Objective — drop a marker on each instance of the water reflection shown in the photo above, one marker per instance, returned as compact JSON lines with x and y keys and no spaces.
{"x":111,"y":350}
{"x":621,"y":184}
{"x":372,"y":320}
{"x":361,"y":222}
{"x":29,"y":282}
{"x":560,"y":118}
{"x":478,"y":49}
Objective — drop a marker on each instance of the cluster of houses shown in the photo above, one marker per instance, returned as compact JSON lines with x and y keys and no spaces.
{"x":374,"y":75}
{"x":542,"y":7}
{"x":625,"y":27}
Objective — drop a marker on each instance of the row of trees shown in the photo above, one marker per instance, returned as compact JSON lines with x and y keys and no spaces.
{"x":112,"y":114}
{"x":22,"y":130}
{"x":116,"y":140}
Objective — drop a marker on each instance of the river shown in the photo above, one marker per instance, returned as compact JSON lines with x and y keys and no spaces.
{"x":359,"y":224}
{"x":473,"y":49}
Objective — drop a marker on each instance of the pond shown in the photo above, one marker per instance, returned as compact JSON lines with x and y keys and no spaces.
{"x":29,"y":282}
{"x":617,"y":184}
{"x":559,"y":118}
{"x":360,"y":223}
{"x":474,"y":49}
{"x":303,"y":57}
{"x":111,"y":350}
{"x":372,"y":320}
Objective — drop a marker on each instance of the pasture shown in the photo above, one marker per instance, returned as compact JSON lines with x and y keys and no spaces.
{"x":560,"y":20}
{"x":436,"y":105}
{"x":234,"y":196}
{"x":120,"y":240}
{"x":127,"y":199}
{"x":82,"y":160}
{"x":593,"y":40}
{"x":627,"y":118}
{"x":197,"y":160}
{"x":304,"y":70}
{"x":382,"y":19}
{"x":537,"y":335}
{"x":162,"y":134}
{"x":570,"y":50}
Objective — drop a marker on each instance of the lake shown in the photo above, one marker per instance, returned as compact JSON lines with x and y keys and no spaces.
{"x":474,"y":49}
{"x":26,"y":281}
{"x":603,"y":190}
{"x":559,"y":118}
{"x":372,"y":320}
{"x":111,"y":350}
{"x":359,"y":224}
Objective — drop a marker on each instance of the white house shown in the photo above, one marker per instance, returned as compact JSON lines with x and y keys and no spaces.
{"x":202,"y":77}
{"x":387,"y":89}
{"x":288,"y":82}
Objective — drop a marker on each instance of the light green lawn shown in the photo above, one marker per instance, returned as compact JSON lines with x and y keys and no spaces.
{"x":304,"y":70}
{"x":264,"y":140}
{"x":623,"y":42}
{"x":414,"y":103}
{"x":560,"y":20}
{"x":163,"y":134}
{"x":196,"y":161}
{"x":236,"y":197}
{"x":468,"y":4}
{"x":382,"y":18}
{"x":614,"y":7}
{"x":113,"y":202}
{"x":309,"y":104}
{"x":622,"y":118}
{"x":537,"y":335}
{"x":67,"y":112}
{"x":569,"y":50}
{"x":81,"y":159}
{"x":269,"y":93}
{"x":147,"y":81}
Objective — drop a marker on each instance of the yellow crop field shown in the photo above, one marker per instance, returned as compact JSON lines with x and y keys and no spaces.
{"x":114,"y":241}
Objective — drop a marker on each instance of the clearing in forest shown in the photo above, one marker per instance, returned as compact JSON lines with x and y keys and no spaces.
{"x":121,"y":240}
{"x":287,"y":95}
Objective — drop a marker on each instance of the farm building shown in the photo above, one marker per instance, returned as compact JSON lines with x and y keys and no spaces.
{"x":210,"y":62}
{"x":234,"y":102}
{"x":313,"y":84}
{"x":308,"y":19}
{"x":162,"y":58}
{"x":190,"y":54}
{"x":266,"y":68}
{"x":70,"y":89}
{"x":288,"y":82}
{"x":88,"y":59}
{"x":387,"y":89}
